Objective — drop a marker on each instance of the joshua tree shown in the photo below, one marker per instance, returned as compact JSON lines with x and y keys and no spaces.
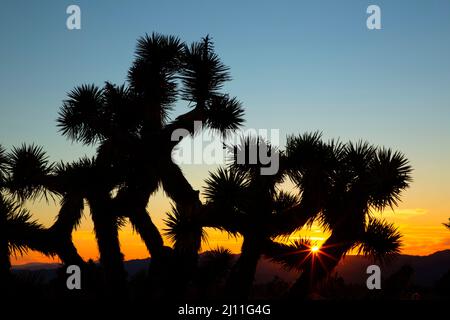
{"x":131,"y":127}
{"x":242,"y":201}
{"x":338,"y":185}
{"x":22,"y":175}
{"x":15,"y":226}
{"x":248,"y":200}
{"x":362,"y":179}
{"x":29,"y":174}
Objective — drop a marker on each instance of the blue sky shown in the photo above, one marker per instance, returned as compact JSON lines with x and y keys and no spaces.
{"x":296,"y":65}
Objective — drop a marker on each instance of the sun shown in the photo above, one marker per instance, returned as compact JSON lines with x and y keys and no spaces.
{"x":314,"y":249}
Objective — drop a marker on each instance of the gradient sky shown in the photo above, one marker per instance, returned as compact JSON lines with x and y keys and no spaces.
{"x":296,"y":65}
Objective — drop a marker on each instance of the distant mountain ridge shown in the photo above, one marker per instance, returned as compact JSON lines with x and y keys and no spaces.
{"x":428,"y":269}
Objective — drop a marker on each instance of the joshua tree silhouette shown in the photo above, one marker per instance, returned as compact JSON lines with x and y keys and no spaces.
{"x":131,"y":126}
{"x":25,"y":173}
{"x":337,"y":184}
{"x":362,"y":179}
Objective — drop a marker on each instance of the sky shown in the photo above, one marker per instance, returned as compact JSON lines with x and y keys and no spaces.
{"x":297,"y":66}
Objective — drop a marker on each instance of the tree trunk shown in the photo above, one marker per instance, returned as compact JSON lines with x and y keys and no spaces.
{"x":67,"y":252}
{"x":318,"y":266}
{"x":149,"y":233}
{"x":132,"y":202}
{"x":60,"y":233}
{"x":5,"y":264}
{"x":241,"y":278}
{"x":111,"y":259}
{"x":189,"y":204}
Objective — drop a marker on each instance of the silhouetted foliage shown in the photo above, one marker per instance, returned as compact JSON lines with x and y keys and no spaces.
{"x":447,"y":224}
{"x":340,"y":185}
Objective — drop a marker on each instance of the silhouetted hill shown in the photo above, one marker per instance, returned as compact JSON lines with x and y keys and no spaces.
{"x":36,"y":266}
{"x":428,"y":269}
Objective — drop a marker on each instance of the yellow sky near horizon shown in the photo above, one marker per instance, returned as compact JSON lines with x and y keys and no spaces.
{"x":419,"y":217}
{"x":422,"y":229}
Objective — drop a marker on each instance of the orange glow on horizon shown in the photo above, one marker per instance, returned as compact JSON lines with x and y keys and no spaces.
{"x":422,"y":230}
{"x":133,"y":247}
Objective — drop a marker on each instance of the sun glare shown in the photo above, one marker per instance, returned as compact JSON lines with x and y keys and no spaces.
{"x":314,"y":249}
